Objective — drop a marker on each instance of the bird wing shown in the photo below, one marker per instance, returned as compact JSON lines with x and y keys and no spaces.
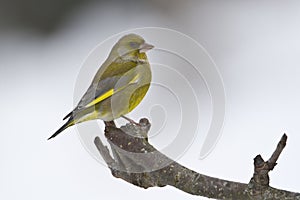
{"x":106,"y":88}
{"x":118,"y":86}
{"x":101,"y":90}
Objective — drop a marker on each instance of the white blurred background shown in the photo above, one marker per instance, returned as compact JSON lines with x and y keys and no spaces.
{"x":255,"y":45}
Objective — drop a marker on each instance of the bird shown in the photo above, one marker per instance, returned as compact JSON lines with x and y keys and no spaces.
{"x":118,"y":86}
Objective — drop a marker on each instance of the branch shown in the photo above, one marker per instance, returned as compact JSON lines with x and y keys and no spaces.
{"x":136,"y":161}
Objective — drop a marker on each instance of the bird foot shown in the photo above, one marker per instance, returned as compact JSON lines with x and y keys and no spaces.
{"x":131,"y":121}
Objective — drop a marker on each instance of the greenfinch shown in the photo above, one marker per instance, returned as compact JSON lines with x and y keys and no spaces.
{"x":119,"y":85}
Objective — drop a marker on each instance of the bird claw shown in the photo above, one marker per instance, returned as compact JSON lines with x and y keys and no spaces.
{"x":131,"y":121}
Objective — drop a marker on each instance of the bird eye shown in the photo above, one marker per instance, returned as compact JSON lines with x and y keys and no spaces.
{"x":134,"y":45}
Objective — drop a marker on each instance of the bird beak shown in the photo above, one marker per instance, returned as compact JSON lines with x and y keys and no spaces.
{"x":145,"y":47}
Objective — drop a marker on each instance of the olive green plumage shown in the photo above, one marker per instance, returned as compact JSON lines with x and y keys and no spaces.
{"x":119,"y":85}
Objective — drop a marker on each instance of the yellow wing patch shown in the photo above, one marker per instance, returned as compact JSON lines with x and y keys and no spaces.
{"x":111,"y":92}
{"x":101,"y":98}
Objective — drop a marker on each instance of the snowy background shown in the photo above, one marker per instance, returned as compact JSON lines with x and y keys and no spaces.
{"x":255,"y":45}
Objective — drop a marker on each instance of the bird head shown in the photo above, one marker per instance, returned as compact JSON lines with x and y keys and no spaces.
{"x":131,"y":45}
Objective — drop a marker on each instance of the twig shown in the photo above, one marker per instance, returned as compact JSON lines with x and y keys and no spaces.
{"x":138,"y":162}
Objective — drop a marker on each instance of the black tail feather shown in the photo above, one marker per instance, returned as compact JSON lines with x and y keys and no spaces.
{"x":66,"y":125}
{"x":68,"y":115}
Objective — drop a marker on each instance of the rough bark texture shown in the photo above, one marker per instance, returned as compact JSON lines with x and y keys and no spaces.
{"x":136,"y":161}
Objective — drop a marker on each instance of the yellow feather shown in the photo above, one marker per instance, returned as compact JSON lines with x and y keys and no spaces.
{"x":110,"y":93}
{"x":101,"y":98}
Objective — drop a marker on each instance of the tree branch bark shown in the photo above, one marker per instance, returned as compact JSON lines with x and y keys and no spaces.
{"x":136,"y":161}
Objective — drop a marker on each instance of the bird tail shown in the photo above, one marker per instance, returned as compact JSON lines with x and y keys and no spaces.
{"x":69,"y":123}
